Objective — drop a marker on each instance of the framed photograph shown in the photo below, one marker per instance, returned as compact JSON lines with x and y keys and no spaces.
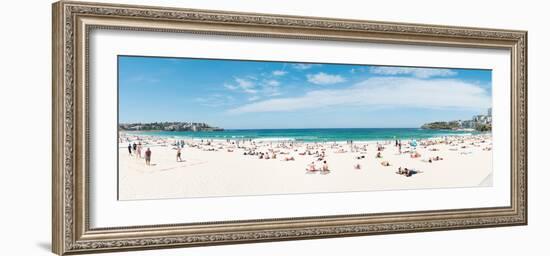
{"x":179,"y":127}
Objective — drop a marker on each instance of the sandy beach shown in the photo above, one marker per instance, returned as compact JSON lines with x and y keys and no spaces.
{"x":236,"y":168}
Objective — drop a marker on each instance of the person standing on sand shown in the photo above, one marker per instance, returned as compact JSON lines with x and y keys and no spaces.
{"x":129,"y":148}
{"x":134,"y":147}
{"x":148,"y":156}
{"x":325,"y":169}
{"x":178,"y":155}
{"x":139,"y":150}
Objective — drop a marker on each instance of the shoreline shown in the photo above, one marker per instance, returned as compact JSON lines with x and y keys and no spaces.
{"x":295,"y":140}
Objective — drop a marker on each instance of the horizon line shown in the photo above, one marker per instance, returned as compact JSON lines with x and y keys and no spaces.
{"x":297,"y":128}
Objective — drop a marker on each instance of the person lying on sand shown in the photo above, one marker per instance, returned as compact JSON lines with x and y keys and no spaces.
{"x":415,"y":155}
{"x":289,"y":158}
{"x":407,"y":172}
{"x":400,"y":170}
{"x":410,"y":172}
{"x":385,"y":163}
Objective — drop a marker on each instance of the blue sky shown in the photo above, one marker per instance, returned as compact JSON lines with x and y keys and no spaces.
{"x":236,"y":94}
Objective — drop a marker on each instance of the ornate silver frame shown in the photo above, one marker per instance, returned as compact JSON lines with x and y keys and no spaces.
{"x":72,"y":22}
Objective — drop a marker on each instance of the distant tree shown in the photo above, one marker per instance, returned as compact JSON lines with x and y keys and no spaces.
{"x":483,"y":127}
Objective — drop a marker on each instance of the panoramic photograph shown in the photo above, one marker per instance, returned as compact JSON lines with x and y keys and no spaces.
{"x":191,"y":128}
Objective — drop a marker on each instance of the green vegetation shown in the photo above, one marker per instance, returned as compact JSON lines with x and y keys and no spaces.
{"x":484,"y":127}
{"x":442,"y":125}
{"x":455,"y":125}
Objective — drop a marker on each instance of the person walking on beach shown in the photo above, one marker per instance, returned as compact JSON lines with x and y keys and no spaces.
{"x":148,"y":156}
{"x":134,"y":147}
{"x":129,"y":148}
{"x":178,"y":155}
{"x":399,"y":147}
{"x":139,"y":150}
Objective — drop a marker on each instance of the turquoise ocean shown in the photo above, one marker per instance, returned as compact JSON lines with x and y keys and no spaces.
{"x":312,"y":135}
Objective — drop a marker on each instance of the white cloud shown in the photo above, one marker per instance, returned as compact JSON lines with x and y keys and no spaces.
{"x":272,"y":83}
{"x":243,"y":85}
{"x":323,"y":78}
{"x":230,"y":87}
{"x":266,"y":87}
{"x":251,"y":91}
{"x":382,"y":92}
{"x":416,"y":72}
{"x":271,"y":91}
{"x":301,"y":66}
{"x":279,"y":73}
{"x":270,"y":88}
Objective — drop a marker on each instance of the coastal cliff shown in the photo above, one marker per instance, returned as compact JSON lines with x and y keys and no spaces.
{"x":441,"y":126}
{"x":482,"y":123}
{"x":456,"y":125}
{"x":169,"y":126}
